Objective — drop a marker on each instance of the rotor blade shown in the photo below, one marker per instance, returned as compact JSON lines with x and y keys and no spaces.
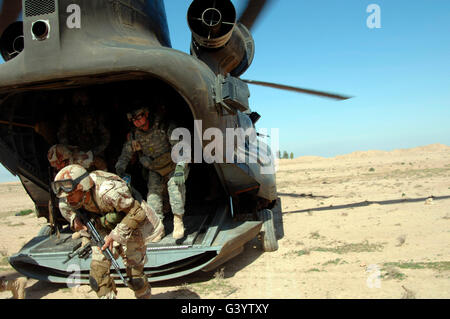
{"x":9,"y":13}
{"x":299,"y":90}
{"x":252,"y":11}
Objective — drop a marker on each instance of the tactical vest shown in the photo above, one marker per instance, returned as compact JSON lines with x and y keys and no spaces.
{"x":161,"y":163}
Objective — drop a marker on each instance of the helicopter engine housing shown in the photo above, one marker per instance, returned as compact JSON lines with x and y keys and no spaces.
{"x":224,"y":44}
{"x":12,"y":41}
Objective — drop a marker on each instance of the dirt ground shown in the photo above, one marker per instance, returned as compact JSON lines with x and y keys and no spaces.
{"x":364,"y":225}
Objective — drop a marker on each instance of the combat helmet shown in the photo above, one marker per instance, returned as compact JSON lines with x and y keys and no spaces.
{"x":69,"y":177}
{"x":58,"y":153}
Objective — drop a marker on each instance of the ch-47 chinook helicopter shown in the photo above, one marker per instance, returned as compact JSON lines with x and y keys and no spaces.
{"x":119,"y":50}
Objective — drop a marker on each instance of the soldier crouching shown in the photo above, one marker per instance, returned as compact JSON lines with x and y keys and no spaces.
{"x":126,"y":224}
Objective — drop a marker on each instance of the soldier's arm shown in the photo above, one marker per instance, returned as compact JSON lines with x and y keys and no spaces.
{"x":145,"y":161}
{"x":121,"y":199}
{"x":67,"y":212}
{"x":124,"y":158}
{"x":172,"y":126}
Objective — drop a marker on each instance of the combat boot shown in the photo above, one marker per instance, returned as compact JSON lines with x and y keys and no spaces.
{"x":109,"y":295}
{"x":144,"y":293}
{"x":178,"y":226}
{"x":138,"y":282}
{"x":17,"y":287}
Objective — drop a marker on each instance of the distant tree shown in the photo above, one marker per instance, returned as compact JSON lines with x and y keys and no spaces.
{"x":285,"y":155}
{"x":279,"y":154}
{"x":291,"y":156}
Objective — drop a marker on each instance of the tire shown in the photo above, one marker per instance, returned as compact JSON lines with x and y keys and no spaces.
{"x":45,"y":231}
{"x":268,"y":236}
{"x":278,"y":219}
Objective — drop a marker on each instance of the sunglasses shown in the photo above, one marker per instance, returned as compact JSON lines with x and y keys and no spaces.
{"x":67,"y":185}
{"x":138,"y":117}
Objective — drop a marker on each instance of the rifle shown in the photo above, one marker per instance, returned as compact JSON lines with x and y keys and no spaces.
{"x":52,"y":212}
{"x":98,"y":241}
{"x":81,"y":251}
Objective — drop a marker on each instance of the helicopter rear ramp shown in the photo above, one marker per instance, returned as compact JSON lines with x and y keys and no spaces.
{"x":212,"y":238}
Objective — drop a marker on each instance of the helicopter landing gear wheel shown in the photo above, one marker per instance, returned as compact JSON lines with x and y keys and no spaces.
{"x":268,"y":236}
{"x":278,"y":219}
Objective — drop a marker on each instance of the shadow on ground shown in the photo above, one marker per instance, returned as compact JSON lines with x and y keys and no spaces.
{"x":365,"y":203}
{"x":182,"y":293}
{"x":40,"y":289}
{"x":252,"y":251}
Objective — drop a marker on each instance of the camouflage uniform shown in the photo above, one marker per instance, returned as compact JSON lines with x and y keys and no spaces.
{"x":155,"y":153}
{"x":60,"y":155}
{"x":17,"y":286}
{"x":72,"y":154}
{"x":110,"y":194}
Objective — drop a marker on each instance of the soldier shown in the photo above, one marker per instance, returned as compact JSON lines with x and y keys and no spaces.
{"x":153,"y":145}
{"x":127,"y":224}
{"x":60,"y":156}
{"x":83,"y":127}
{"x":16,"y":286}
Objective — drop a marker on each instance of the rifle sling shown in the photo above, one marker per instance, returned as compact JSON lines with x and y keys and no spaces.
{"x":95,"y":202}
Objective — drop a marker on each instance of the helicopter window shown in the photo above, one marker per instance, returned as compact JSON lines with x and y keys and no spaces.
{"x":250,"y":137}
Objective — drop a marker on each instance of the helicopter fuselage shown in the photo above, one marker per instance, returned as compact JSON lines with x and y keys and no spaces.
{"x":120,"y":51}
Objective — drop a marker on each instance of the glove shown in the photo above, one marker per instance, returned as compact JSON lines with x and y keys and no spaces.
{"x":135,"y":146}
{"x":178,"y":176}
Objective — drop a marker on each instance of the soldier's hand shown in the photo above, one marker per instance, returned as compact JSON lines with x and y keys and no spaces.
{"x":78,"y":225}
{"x":120,"y":171}
{"x":178,"y":176}
{"x":108,"y":243}
{"x":136,"y":146}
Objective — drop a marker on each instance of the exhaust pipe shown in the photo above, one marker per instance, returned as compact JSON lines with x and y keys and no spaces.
{"x":212,"y":22}
{"x":40,"y":30}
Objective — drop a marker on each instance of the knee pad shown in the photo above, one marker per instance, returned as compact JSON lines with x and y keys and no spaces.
{"x":138,"y":283}
{"x":100,"y":280}
{"x":94,"y":284}
{"x":138,"y":280}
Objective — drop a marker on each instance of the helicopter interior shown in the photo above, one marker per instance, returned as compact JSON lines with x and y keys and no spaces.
{"x":31,"y":120}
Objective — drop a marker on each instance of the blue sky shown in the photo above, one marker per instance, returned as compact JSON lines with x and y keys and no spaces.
{"x":399,"y":74}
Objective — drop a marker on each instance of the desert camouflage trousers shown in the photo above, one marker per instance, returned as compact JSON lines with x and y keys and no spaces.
{"x":134,"y":257}
{"x":177,"y":193}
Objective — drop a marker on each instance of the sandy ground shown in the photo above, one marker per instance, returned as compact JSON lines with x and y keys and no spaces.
{"x":360,"y":225}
